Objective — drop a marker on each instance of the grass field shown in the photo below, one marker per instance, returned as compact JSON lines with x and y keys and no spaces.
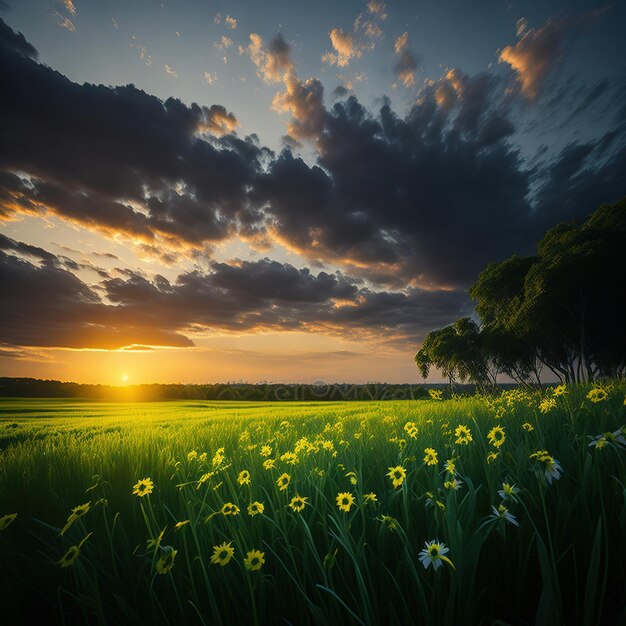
{"x":509,"y":510}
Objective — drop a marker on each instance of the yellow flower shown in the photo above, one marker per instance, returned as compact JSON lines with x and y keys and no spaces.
{"x":547,"y":404}
{"x":67,"y":560}
{"x":597,"y":394}
{"x":181,"y":524}
{"x":254,"y":560}
{"x":7,"y":520}
{"x":269,"y":464}
{"x":77,"y":512}
{"x":255,"y":508}
{"x":244,"y":477}
{"x":345,"y":501}
{"x":298,"y":503}
{"x":353,"y":478}
{"x":430,"y":456}
{"x":496,"y":436}
{"x":411,"y":429}
{"x":453,"y":484}
{"x":528,"y":427}
{"x":508,"y":491}
{"x":153,"y":544}
{"x":450,"y":467}
{"x":222,"y":554}
{"x":229,"y":509}
{"x":492,"y":456}
{"x":560,"y":390}
{"x":166,"y":562}
{"x":551,"y":467}
{"x":192,"y":455}
{"x":397,"y":475}
{"x":370,"y":497}
{"x":143,"y":487}
{"x":218,"y":458}
{"x":266,"y":450}
{"x":463,"y":435}
{"x":81,"y":509}
{"x":431,"y":500}
{"x":390,"y":523}
{"x":290,"y":458}
{"x":204,"y":478}
{"x":283,"y":482}
{"x":435,"y":394}
{"x":203,"y":457}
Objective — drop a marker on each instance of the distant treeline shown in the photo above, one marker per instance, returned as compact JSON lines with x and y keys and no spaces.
{"x":35,"y":388}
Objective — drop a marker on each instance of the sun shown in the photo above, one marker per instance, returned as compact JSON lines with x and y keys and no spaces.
{"x":124,"y":378}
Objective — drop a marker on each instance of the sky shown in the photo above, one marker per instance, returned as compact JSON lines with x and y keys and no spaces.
{"x":195,"y":191}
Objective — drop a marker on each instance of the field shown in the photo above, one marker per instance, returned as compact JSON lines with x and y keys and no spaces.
{"x":504,"y":510}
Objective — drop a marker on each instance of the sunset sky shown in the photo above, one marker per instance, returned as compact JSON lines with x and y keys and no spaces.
{"x":198,"y":191}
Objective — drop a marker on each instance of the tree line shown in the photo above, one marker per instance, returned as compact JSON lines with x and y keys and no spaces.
{"x":37,"y":388}
{"x":560,"y":311}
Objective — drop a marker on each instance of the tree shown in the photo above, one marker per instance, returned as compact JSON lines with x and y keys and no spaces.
{"x":458,"y":351}
{"x":563,"y":309}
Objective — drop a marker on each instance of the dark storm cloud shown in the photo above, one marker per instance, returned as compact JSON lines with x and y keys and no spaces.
{"x":50,"y":306}
{"x":427,"y":199}
{"x":340,"y":91}
{"x":110,"y":158}
{"x":435,"y":196}
{"x":6,"y":243}
{"x":407,"y":199}
{"x":583,"y":176}
{"x":15,"y":42}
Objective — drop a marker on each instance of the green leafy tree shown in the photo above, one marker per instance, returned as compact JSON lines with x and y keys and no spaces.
{"x":563,"y":309}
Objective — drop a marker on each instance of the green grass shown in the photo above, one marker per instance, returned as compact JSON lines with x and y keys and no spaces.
{"x":563,"y":564}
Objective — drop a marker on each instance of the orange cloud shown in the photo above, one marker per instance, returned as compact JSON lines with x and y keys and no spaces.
{"x":407,"y":63}
{"x":272,"y":61}
{"x":344,"y":46}
{"x":534,"y":55}
{"x":217,"y":120}
{"x":304,"y":100}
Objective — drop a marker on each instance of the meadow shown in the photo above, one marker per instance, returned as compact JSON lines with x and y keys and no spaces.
{"x":508,"y":509}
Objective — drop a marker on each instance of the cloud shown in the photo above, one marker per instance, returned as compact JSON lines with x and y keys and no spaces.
{"x":8,"y":244}
{"x":304,"y":101}
{"x":407,"y":63}
{"x":171,"y":72}
{"x":535,"y":54}
{"x":345,"y":48}
{"x":368,"y":24}
{"x":145,"y":171}
{"x":377,"y":8}
{"x":217,"y":120}
{"x":49,"y":306}
{"x":392,"y":194}
{"x":231,"y":22}
{"x":422,"y":200}
{"x":15,"y":43}
{"x":273,"y":61}
{"x":64,"y":22}
{"x":348,"y":46}
{"x":143,"y":52}
{"x":240,"y":297}
{"x":582,"y":177}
